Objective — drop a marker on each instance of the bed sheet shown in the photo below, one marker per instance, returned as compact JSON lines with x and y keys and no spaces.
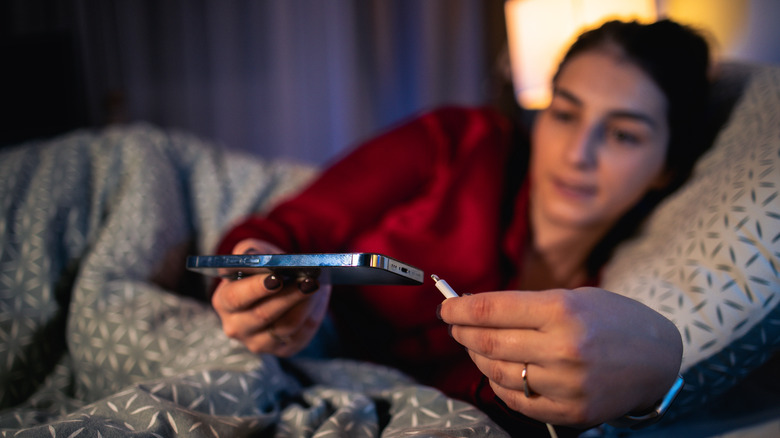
{"x":104,"y":333}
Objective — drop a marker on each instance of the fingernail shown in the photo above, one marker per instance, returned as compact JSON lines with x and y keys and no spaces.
{"x":438,"y":312}
{"x":467,"y":294}
{"x":252,"y":251}
{"x":308,"y":285}
{"x":272,"y":282}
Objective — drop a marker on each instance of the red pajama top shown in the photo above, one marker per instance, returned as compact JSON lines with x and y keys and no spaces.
{"x":433,"y":193}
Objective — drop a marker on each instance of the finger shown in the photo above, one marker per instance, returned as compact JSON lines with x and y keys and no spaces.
{"x":255,"y":246}
{"x":234,"y":296}
{"x":283,"y":341}
{"x":517,"y":345}
{"x":271,"y":340}
{"x":515,"y":309}
{"x":306,"y":279}
{"x":245,"y":312}
{"x":245,"y":322}
{"x":311,"y":310}
{"x":553,"y":383}
{"x":545,"y":409}
{"x":509,"y":374}
{"x":544,"y":399}
{"x":308,"y":284}
{"x":293,"y":330}
{"x":561,"y":396}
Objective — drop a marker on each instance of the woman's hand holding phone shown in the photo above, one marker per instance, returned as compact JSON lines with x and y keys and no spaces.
{"x":267,"y":313}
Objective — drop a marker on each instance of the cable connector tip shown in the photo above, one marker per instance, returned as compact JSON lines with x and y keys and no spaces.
{"x":443,"y":287}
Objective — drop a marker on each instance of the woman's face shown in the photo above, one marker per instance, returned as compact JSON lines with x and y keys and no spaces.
{"x":601,"y":144}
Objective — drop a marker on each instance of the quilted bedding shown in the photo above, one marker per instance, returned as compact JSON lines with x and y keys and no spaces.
{"x":103,"y":332}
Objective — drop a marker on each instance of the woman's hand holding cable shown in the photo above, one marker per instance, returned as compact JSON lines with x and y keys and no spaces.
{"x":569,"y":357}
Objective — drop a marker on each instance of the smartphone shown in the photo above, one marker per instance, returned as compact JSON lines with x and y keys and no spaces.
{"x":334,"y":268}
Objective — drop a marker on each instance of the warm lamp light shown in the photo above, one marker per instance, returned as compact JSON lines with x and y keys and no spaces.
{"x":539,"y":31}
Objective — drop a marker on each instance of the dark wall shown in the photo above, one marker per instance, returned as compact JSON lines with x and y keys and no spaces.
{"x":60,"y":70}
{"x":41,"y":86}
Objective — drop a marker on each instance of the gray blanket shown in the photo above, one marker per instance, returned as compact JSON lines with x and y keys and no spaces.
{"x":103,"y":332}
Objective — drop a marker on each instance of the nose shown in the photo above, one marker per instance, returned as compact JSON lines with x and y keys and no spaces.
{"x":582,"y":150}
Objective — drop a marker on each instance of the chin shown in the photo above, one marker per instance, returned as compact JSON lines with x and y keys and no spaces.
{"x":569,"y":220}
{"x":567,"y":212}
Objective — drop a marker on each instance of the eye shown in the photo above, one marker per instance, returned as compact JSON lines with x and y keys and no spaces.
{"x":624,"y":137}
{"x":563,"y":116}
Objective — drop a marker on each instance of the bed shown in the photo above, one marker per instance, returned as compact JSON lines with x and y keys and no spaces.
{"x":104,"y":333}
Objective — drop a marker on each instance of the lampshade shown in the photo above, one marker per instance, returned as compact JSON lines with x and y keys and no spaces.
{"x":539,"y":31}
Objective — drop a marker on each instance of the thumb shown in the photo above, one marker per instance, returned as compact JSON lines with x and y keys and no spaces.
{"x":256,"y":246}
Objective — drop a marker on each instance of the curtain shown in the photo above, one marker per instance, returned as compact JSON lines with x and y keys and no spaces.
{"x":298,"y":79}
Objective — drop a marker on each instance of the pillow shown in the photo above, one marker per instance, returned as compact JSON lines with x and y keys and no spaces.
{"x":709,"y":255}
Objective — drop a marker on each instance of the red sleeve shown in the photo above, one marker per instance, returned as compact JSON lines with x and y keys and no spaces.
{"x":361,"y":188}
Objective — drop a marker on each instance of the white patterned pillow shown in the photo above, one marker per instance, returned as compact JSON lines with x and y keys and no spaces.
{"x":709,"y":256}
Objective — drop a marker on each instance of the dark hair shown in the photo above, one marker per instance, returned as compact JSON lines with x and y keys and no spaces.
{"x":677,"y":59}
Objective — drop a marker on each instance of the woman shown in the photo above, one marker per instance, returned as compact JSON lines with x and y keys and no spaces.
{"x":454,"y":193}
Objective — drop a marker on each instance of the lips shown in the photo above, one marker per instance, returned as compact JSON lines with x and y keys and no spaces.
{"x":574,"y":189}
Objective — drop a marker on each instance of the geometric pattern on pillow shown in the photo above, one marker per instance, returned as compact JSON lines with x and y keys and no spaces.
{"x":709,"y":255}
